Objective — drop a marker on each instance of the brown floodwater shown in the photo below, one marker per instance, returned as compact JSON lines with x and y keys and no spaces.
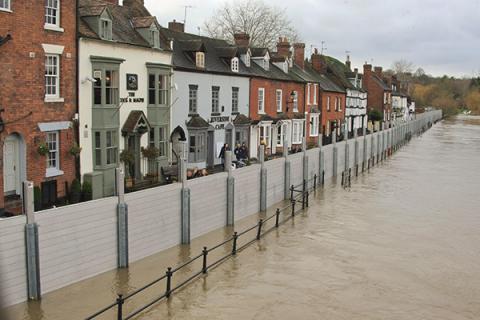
{"x":402,"y":243}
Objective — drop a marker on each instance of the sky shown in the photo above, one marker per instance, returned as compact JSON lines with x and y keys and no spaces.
{"x":440,"y":36}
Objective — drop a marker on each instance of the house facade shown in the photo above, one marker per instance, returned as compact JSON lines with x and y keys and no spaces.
{"x":38,"y":100}
{"x":379,"y":93}
{"x":210,"y":99}
{"x":356,"y":104}
{"x":124,"y":93}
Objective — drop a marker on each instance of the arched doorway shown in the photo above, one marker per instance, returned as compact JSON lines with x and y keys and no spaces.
{"x":14,"y":164}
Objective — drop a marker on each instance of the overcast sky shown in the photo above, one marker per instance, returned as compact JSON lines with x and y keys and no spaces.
{"x":441,"y":36}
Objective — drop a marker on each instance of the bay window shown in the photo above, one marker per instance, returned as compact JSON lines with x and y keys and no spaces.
{"x":105,"y":87}
{"x":264,"y":134}
{"x":158,"y":88}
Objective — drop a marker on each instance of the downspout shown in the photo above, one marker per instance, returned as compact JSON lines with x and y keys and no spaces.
{"x":77,"y":86}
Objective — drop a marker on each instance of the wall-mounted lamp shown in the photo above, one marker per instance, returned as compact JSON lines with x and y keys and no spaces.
{"x":2,"y":124}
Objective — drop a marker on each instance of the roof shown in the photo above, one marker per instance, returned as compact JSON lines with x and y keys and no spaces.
{"x":380,"y":82}
{"x":258,"y":52}
{"x":136,"y":122}
{"x":197,"y":122}
{"x":125,"y":20}
{"x":241,"y":119}
{"x":311,"y":75}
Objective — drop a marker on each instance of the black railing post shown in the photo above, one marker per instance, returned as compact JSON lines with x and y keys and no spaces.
{"x":323,"y":177}
{"x":303,"y":193}
{"x":307,"y":194}
{"x":291,"y":193}
{"x":234,"y":246}
{"x":169,"y":282}
{"x":259,"y":231}
{"x":277,"y":217}
{"x":205,"y":253}
{"x":293,"y":208}
{"x":343,"y":175}
{"x":315,"y":182}
{"x":120,"y":307}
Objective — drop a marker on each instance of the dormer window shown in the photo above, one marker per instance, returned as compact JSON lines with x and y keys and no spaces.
{"x":234,"y":64}
{"x":247,"y":60}
{"x":154,"y":37}
{"x":200,"y":59}
{"x":106,"y":29}
{"x":266,"y":64}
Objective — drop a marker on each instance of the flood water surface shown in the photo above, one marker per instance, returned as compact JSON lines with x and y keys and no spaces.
{"x":402,"y":243}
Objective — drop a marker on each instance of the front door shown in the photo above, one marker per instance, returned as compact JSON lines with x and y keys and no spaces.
{"x":11,"y":165}
{"x":134,"y":147}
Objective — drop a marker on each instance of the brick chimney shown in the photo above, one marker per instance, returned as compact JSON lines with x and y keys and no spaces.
{"x":367,"y":74}
{"x":378,"y":71}
{"x":348,"y":64}
{"x":318,"y":62}
{"x":299,"y":54}
{"x":283,"y":47}
{"x":242,"y":39}
{"x":129,"y":3}
{"x":176,"y":26}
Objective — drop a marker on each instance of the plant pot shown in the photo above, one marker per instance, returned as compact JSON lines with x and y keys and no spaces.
{"x":129,"y":182}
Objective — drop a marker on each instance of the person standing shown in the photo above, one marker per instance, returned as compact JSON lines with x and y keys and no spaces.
{"x":222,"y":153}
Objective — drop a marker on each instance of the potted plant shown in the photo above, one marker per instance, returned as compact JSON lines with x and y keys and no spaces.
{"x":86,"y":191}
{"x":128,"y":159}
{"x":42,"y":148}
{"x":75,"y":150}
{"x":151,"y":153}
{"x":75,"y":193}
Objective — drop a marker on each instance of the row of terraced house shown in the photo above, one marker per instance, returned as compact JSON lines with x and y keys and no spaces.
{"x":91,"y":85}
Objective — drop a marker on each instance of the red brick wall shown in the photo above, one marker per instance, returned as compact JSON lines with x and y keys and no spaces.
{"x":331,"y":115}
{"x":23,"y":85}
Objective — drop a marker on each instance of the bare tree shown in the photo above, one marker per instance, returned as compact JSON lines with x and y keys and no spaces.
{"x":402,"y":66}
{"x":264,"y":23}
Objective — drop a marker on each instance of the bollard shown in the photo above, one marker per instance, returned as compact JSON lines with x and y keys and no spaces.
{"x":343,"y":177}
{"x":122,"y":221}
{"x":259,"y":231}
{"x":234,"y":246}
{"x":205,"y":253}
{"x":169,"y":282}
{"x":307,"y":197}
{"x":120,"y":302}
{"x":293,"y":208}
{"x":277,"y":217}
{"x":32,"y":252}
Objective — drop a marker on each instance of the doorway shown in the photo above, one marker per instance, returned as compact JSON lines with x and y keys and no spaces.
{"x":134,"y":147}
{"x":211,"y":149}
{"x":13,"y":164}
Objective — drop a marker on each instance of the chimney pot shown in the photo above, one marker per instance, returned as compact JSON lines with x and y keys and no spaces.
{"x":378,"y":71}
{"x":299,"y":54}
{"x":242,"y":39}
{"x":283,"y":47}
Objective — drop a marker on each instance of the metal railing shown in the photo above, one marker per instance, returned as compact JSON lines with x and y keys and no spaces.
{"x":299,"y":193}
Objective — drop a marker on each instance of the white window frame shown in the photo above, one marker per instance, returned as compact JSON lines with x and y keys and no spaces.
{"x":328,"y":103}
{"x":297,"y":132}
{"x":55,"y":77}
{"x":155,"y":38}
{"x":106,"y":29}
{"x":52,"y":26}
{"x":279,"y":99}
{"x":261,"y":101}
{"x":295,"y":101}
{"x":192,"y":99}
{"x":267,"y":134}
{"x":215,"y":99}
{"x":314,"y":121}
{"x":247,"y":60}
{"x":315,"y":86}
{"x":340,"y":104}
{"x":200,"y":59}
{"x":235,"y":64}
{"x":52,"y":171}
{"x":6,"y":5}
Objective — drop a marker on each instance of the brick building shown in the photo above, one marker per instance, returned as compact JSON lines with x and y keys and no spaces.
{"x":379,"y":93}
{"x":38,"y":100}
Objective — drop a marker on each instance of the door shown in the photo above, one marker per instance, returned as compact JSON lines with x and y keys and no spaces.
{"x":210,"y":149}
{"x":228,"y":137}
{"x":134,"y":146}
{"x":10,"y":165}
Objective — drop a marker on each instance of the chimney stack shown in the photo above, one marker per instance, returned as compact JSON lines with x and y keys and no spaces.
{"x":355,"y":70}
{"x":378,"y":71}
{"x":242,"y":39}
{"x":176,"y":26}
{"x":129,"y":3}
{"x":348,"y":63}
{"x":299,"y":54}
{"x":318,"y":62}
{"x":283,"y":47}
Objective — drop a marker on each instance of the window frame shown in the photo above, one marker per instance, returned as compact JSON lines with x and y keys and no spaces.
{"x":261,"y":102}
{"x":103,"y":68}
{"x":215,"y":99}
{"x":266,"y":129}
{"x":200,"y":59}
{"x":308,"y":93}
{"x":56,"y":76}
{"x":235,"y":99}
{"x":106,"y":33}
{"x":328,"y":103}
{"x":103,"y":149}
{"x":297,"y":136}
{"x":279,"y":102}
{"x":199,"y":153}
{"x":295,"y":101}
{"x":192,"y":99}
{"x":55,"y":151}
{"x":7,"y":5}
{"x":235,"y":65}
{"x":158,"y":93}
{"x":314,"y":123}
{"x":57,"y":15}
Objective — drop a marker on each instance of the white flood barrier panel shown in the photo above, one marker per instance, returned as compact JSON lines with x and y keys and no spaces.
{"x":296,"y":163}
{"x":247,"y":191}
{"x":275,"y":180}
{"x":77,"y":242}
{"x":153,"y":220}
{"x":208,"y":203}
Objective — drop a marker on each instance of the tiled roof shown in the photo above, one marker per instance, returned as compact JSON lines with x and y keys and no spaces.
{"x":258,"y":52}
{"x":381,"y":83}
{"x":124,"y":19}
{"x":133,"y":119}
{"x":241,"y":119}
{"x":143,"y":22}
{"x":197,"y":122}
{"x":311,"y":75}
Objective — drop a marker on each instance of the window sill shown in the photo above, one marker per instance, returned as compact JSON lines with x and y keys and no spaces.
{"x":6,"y":10}
{"x":51,"y":172}
{"x":215,"y":114}
{"x":52,"y":27}
{"x":314,"y":135}
{"x":49,"y":99}
{"x":261,"y":112}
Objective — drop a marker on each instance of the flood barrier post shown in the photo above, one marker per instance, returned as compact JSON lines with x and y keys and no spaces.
{"x":185,"y":197}
{"x":293,"y":207}
{"x":315,"y":182}
{"x":122,"y":220}
{"x":365,"y":146}
{"x":303,"y":193}
{"x":263,"y":179}
{"x":230,"y":189}
{"x":335,"y":154}
{"x":287,"y":169}
{"x":169,"y":274}
{"x":305,"y":159}
{"x":31,"y":243}
{"x":120,"y":302}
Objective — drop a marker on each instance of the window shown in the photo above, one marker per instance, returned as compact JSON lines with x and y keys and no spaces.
{"x":196,"y":147}
{"x":111,"y":147}
{"x":158,"y":88}
{"x":328,"y":103}
{"x":53,"y":150}
{"x":215,"y":99}
{"x":192,"y":99}
{"x":235,"y":99}
{"x":111,"y":87}
{"x":308,"y":93}
{"x":52,"y":76}
{"x":261,"y":100}
{"x":154,"y":38}
{"x":235,"y":64}
{"x":247,"y":60}
{"x":52,"y":12}
{"x":162,"y":141}
{"x":281,"y":132}
{"x":315,"y":93}
{"x":106,"y":29}
{"x":340,"y":104}
{"x":5,"y":4}
{"x":295,"y":101}
{"x":314,"y":119}
{"x":105,"y":87}
{"x":200,"y":59}
{"x":279,"y":100}
{"x":297,"y":132}
{"x":98,"y":149}
{"x":265,"y":135}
